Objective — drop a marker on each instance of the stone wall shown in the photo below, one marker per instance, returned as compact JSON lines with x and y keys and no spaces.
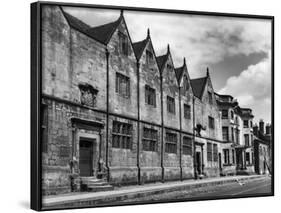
{"x":58,"y":150}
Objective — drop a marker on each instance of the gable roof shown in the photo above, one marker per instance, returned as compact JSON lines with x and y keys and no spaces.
{"x":139,"y":47}
{"x":100,"y":33}
{"x":179,"y":73}
{"x":75,"y":22}
{"x":198,"y":86}
{"x":161,"y":60}
{"x":104,"y":32}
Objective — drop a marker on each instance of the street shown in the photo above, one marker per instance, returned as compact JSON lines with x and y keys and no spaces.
{"x":236,"y":189}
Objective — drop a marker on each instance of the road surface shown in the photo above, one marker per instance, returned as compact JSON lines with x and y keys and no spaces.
{"x":257,"y":187}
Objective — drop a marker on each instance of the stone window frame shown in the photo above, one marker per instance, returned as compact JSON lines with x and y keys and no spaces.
{"x":187,"y":145}
{"x":171,"y":108}
{"x":247,"y":139}
{"x":210,"y":97}
{"x":211,"y":122}
{"x":123,"y":90}
{"x":247,"y":158}
{"x":224,"y":114}
{"x":171,"y":142}
{"x":123,"y":43}
{"x":187,"y":111}
{"x":186,"y":84}
{"x":233,"y":156}
{"x":209,"y":152}
{"x":215,"y":152}
{"x":149,"y":139}
{"x":225,"y":135}
{"x":122,"y":139}
{"x":226,"y":156}
{"x":149,"y":56}
{"x":150,"y":95}
{"x":246,"y":123}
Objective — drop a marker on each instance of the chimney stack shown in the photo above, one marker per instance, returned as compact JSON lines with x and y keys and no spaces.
{"x":261,"y":126}
{"x":256,"y":130}
{"x":268,"y":129}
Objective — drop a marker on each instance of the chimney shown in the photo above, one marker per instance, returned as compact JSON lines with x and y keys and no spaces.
{"x":268,"y":129}
{"x":256,"y":130}
{"x":261,"y":127}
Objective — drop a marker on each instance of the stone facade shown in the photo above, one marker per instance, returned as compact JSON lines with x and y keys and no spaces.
{"x":133,"y":114}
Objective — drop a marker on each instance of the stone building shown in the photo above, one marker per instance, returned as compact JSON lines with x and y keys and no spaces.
{"x":262,"y":148}
{"x":207,"y":125}
{"x":114,"y":113}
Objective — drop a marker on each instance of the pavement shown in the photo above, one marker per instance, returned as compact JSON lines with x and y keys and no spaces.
{"x":211,"y":187}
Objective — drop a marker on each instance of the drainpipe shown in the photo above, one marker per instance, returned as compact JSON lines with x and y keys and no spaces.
{"x":180,"y":134}
{"x":162,"y":129}
{"x":107,"y":113}
{"x":193,"y":130}
{"x":138,"y":124}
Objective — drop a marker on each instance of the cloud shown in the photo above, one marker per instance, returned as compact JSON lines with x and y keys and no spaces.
{"x":203,"y":40}
{"x":252,"y":88}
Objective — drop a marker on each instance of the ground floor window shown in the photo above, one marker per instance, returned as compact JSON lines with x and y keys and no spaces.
{"x":187,"y":146}
{"x":171,"y":143}
{"x":149,"y":140}
{"x":248,"y":157}
{"x":209,"y":152}
{"x":233,"y":156}
{"x":226,"y":156}
{"x":122,"y":135}
{"x":215,"y":152}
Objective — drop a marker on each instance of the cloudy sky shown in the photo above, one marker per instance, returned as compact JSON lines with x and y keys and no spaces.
{"x":236,"y":50}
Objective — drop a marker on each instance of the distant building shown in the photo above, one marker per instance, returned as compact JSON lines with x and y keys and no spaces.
{"x":114,"y":113}
{"x":263,"y":148}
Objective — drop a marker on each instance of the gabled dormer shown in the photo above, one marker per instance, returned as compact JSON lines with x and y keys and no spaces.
{"x":183,"y":79}
{"x":149,"y":80}
{"x":167,"y":70}
{"x":170,"y":89}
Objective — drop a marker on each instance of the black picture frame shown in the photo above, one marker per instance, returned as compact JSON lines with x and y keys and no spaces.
{"x":36,"y":95}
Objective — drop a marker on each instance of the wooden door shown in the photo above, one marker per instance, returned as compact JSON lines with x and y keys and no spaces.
{"x":86,"y":158}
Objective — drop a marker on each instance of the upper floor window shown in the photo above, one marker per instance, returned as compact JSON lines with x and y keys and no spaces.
{"x":187,"y":111}
{"x":149,"y":56}
{"x":247,"y":141}
{"x":122,"y":135}
{"x":149,"y":140}
{"x":187,"y":146}
{"x":225,"y":133}
{"x":171,"y":105}
{"x":150,"y":96}
{"x":88,"y":95}
{"x":171,"y":143}
{"x":123,"y":42}
{"x":251,"y":124}
{"x":211,"y":122}
{"x":246,"y":123}
{"x":224,"y":114}
{"x":232,"y":134}
{"x":186,"y":84}
{"x":210,"y":97}
{"x":122,"y":85}
{"x":232,"y":114}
